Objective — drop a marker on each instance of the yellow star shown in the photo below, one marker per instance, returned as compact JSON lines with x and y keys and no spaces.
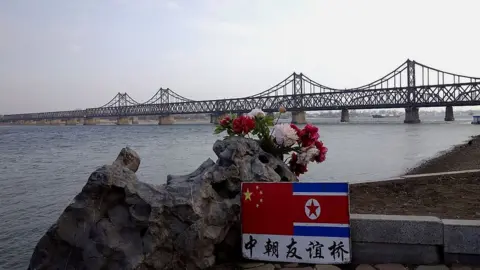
{"x":248,"y":195}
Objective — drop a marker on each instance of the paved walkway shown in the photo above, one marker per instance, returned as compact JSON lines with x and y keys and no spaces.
{"x":293,"y":266}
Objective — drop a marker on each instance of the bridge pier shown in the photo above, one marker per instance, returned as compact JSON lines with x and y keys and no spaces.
{"x":135,"y":120}
{"x":345,"y":116}
{"x":38,"y":122}
{"x":299,"y":117}
{"x":71,"y":122}
{"x":166,"y":120}
{"x":449,"y":114}
{"x":411,"y":116}
{"x":55,"y":122}
{"x":90,"y":121}
{"x":123,"y":121}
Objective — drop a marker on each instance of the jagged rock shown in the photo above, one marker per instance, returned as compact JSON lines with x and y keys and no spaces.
{"x":191,"y":222}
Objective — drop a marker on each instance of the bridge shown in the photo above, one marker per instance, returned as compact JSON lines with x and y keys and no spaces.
{"x":411,"y":85}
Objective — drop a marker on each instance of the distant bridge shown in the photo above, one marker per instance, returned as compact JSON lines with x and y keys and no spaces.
{"x":410,"y":86}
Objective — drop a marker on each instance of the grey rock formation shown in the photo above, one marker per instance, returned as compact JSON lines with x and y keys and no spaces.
{"x":191,"y":222}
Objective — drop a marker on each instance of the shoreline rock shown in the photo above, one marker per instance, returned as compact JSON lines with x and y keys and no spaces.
{"x":191,"y":222}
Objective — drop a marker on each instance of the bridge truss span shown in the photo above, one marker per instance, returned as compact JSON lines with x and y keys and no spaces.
{"x":152,"y":106}
{"x":412,"y":84}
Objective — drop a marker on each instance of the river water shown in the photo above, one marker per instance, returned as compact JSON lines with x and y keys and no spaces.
{"x":43,"y":167}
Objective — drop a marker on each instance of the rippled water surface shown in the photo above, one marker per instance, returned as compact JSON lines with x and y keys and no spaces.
{"x":43,"y":167}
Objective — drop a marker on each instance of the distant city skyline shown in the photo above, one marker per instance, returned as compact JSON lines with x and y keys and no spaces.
{"x":59,"y":55}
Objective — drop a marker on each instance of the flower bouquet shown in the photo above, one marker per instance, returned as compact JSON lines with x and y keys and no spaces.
{"x":303,"y":145}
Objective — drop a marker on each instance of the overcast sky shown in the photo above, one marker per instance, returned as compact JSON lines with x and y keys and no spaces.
{"x":62,"y":55}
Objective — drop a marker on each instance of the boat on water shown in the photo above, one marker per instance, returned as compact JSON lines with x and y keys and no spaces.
{"x":476,"y":120}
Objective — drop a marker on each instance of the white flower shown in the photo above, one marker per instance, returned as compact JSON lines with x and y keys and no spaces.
{"x":256,"y":112}
{"x":285,"y":135}
{"x":307,"y":155}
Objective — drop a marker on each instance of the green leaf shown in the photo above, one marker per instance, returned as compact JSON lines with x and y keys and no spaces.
{"x":269,"y":122}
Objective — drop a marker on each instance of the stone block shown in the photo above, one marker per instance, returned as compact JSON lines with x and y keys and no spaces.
{"x":461,"y":236}
{"x":458,"y":258}
{"x":432,"y":267}
{"x":391,"y":266}
{"x":326,"y":267}
{"x":383,"y":253}
{"x":460,"y":267}
{"x":423,"y":230}
{"x":365,"y":267}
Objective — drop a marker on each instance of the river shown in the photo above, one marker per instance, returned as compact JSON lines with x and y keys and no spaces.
{"x":43,"y":167}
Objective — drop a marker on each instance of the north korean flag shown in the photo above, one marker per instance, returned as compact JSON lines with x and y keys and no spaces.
{"x":303,"y":209}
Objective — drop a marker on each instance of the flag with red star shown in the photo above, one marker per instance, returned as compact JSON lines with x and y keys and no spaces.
{"x":298,"y":211}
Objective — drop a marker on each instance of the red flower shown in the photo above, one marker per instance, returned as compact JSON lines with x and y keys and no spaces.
{"x":296,"y":168}
{"x":308,"y":135}
{"x":225,"y":121}
{"x":243,"y":124}
{"x":323,"y":151}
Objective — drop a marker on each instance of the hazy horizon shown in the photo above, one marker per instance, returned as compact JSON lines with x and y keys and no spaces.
{"x":62,"y":55}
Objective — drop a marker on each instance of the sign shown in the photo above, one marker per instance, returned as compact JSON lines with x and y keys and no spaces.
{"x":296,"y":222}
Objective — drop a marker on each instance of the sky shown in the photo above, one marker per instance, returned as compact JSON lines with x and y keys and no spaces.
{"x":63,"y":55}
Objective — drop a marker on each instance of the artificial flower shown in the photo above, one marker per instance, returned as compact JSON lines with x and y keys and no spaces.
{"x":295,"y":167}
{"x":322,"y":151}
{"x":257,"y":113}
{"x":285,"y":135}
{"x":299,"y":132}
{"x":243,"y":125}
{"x":308,"y":135}
{"x":225,"y":121}
{"x":303,"y":144}
{"x":307,"y":155}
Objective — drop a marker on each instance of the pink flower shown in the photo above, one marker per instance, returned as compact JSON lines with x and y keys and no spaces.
{"x":295,"y":167}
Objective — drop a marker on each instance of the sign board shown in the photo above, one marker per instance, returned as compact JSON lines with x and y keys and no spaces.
{"x":296,"y":222}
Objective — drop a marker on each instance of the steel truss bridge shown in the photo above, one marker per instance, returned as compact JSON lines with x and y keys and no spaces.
{"x":411,"y":85}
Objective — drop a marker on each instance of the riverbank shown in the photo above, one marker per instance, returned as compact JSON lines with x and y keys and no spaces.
{"x":465,"y":156}
{"x":447,"y":196}
{"x":452,"y":196}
